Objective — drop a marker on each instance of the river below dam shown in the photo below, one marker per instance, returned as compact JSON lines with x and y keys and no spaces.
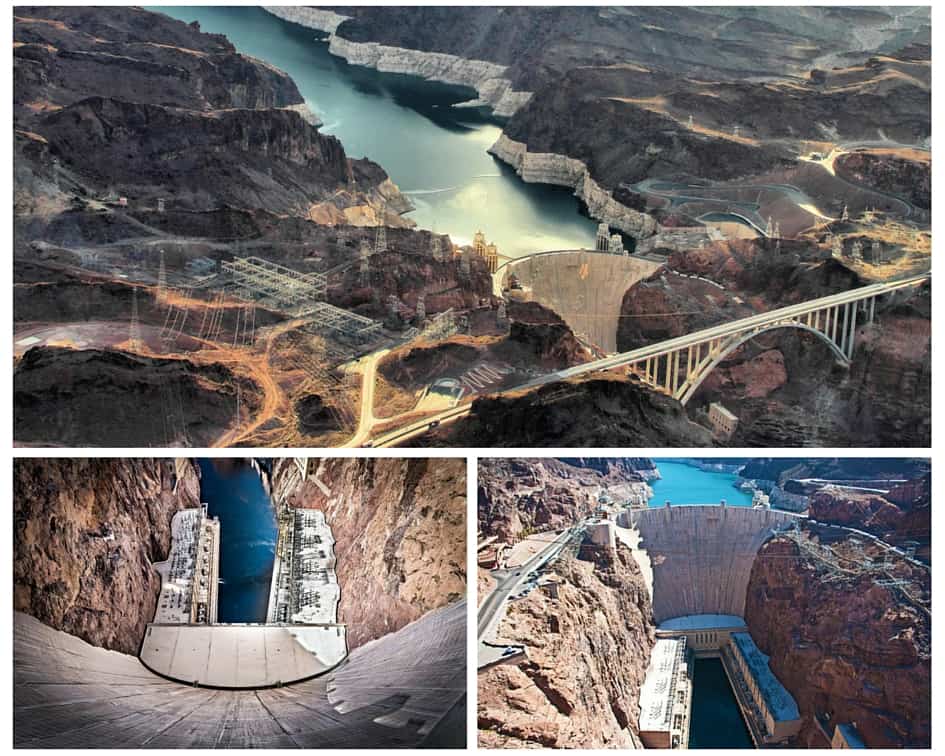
{"x":434,"y":152}
{"x":716,"y":721}
{"x":684,"y":484}
{"x":233,"y":492}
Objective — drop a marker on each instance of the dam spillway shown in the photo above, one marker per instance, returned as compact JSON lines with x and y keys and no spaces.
{"x":392,"y":692}
{"x":702,"y":555}
{"x":585,"y":288}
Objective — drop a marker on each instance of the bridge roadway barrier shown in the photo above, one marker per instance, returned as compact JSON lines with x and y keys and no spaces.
{"x":702,"y":554}
{"x":70,"y":694}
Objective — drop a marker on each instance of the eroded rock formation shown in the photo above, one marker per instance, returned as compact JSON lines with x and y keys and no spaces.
{"x":521,"y":496}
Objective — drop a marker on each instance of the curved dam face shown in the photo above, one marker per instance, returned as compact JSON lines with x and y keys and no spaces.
{"x":391,"y":692}
{"x":584,"y":287}
{"x":702,"y":555}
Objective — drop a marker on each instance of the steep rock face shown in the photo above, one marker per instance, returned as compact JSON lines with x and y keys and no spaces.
{"x":494,"y":90}
{"x":86,"y":532}
{"x":400,"y":533}
{"x":193,"y":155}
{"x":587,"y":654}
{"x":850,"y":649}
{"x":550,"y":167}
{"x":882,"y":399}
{"x":517,"y":497}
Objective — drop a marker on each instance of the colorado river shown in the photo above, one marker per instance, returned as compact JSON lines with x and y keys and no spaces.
{"x":435,"y":153}
{"x":234,"y":493}
{"x":716,"y":720}
{"x":683,"y":484}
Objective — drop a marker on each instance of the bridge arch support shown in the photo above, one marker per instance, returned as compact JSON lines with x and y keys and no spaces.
{"x":692,"y":383}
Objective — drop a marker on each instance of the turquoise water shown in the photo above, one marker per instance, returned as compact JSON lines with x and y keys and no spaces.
{"x":234,"y":493}
{"x":716,"y":721}
{"x":435,"y":153}
{"x":683,"y":484}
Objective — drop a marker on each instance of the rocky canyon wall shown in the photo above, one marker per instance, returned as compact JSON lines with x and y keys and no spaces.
{"x":400,"y":533}
{"x":848,"y":649}
{"x":521,"y":496}
{"x":561,"y":170}
{"x":587,"y":653}
{"x":493,"y":88}
{"x":85,"y":534}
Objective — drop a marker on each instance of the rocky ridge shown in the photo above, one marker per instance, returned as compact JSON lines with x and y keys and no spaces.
{"x":849,"y":650}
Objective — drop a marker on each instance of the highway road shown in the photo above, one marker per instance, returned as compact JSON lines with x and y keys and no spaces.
{"x":510,"y":581}
{"x":771,"y":317}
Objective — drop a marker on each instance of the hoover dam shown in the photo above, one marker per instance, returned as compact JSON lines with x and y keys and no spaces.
{"x":702,"y":555}
{"x":584,"y":287}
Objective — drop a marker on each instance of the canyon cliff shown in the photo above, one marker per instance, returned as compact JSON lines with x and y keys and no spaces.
{"x":848,"y":649}
{"x":517,"y":496}
{"x":586,"y":656}
{"x":86,"y":532}
{"x":400,"y":532}
{"x":136,"y":104}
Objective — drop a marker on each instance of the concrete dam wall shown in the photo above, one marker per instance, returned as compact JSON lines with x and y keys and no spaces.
{"x":702,"y":555}
{"x":585,"y":288}
{"x":391,"y":692}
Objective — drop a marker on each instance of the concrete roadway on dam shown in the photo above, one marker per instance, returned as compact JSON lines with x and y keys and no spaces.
{"x":392,"y":692}
{"x":266,"y":655}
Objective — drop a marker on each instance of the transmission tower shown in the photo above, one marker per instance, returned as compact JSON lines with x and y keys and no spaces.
{"x":421,"y":308}
{"x":134,"y":328}
{"x":162,"y":279}
{"x":365,"y":264}
{"x":380,"y":240}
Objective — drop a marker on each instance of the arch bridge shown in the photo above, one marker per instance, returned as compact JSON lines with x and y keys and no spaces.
{"x":677,"y":367}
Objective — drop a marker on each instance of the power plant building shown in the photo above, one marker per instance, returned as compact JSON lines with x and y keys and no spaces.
{"x":770,"y":711}
{"x":666,"y":696}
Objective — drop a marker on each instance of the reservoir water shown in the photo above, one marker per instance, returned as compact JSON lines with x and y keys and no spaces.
{"x":234,"y":493}
{"x":434,"y":152}
{"x":716,"y":721}
{"x":683,"y":484}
